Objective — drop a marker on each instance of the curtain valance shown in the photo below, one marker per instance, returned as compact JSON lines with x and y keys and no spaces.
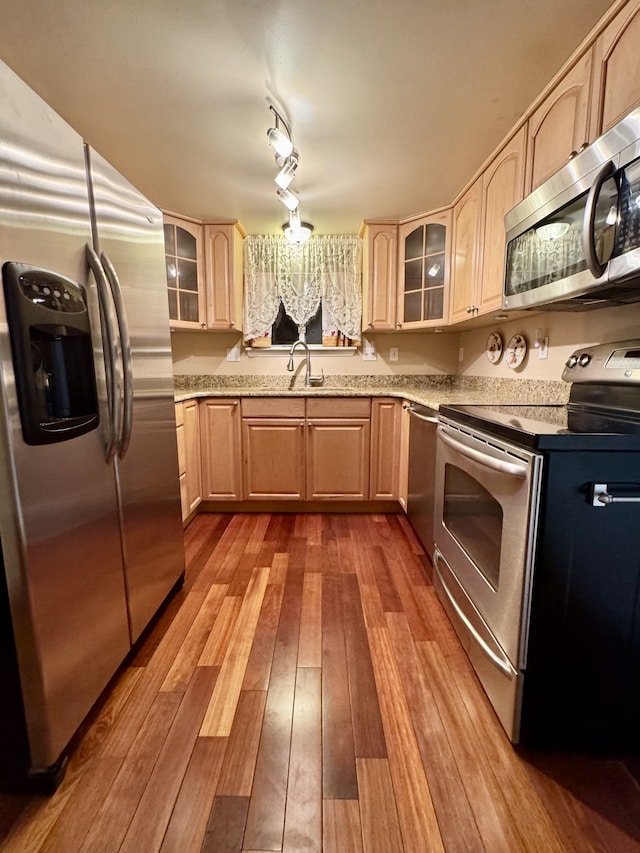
{"x":327,"y":268}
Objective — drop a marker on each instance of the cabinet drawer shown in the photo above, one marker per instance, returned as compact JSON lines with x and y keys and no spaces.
{"x":339,"y":407}
{"x":273,"y":407}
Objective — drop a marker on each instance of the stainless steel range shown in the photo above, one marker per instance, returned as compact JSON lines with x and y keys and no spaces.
{"x":537,"y":559}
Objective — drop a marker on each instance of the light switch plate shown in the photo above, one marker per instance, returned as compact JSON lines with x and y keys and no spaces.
{"x":393,"y":353}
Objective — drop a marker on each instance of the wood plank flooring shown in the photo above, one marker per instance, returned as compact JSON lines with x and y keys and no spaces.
{"x":305,"y":692}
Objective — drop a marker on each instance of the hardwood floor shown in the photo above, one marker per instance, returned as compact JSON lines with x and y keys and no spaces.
{"x":305,"y":692}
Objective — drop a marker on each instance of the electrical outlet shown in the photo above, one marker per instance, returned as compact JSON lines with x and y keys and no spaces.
{"x":393,"y":353}
{"x":233,"y":354}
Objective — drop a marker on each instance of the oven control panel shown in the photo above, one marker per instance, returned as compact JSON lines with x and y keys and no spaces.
{"x":615,"y":362}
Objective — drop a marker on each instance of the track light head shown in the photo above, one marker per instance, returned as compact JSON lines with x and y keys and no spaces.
{"x":288,"y":199}
{"x":288,"y":170}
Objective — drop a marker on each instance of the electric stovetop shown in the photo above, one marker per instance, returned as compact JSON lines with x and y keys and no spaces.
{"x":549,"y":427}
{"x":603,"y":412}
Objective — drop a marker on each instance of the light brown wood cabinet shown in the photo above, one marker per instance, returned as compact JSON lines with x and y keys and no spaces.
{"x":306,"y":450}
{"x":560,"y":125}
{"x":204,"y":273}
{"x":183,"y":240}
{"x":466,"y":254}
{"x":223,"y":275}
{"x":289,"y":448}
{"x":273,"y":448}
{"x":616,"y":84}
{"x":379,"y":276}
{"x":188,"y":438}
{"x":386,"y":445}
{"x":338,"y":449}
{"x":221,"y":449}
{"x":405,"y":429}
{"x":502,"y":189}
{"x":423,"y":270}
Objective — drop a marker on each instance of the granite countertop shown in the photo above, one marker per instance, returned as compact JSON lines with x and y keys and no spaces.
{"x":432,"y":391}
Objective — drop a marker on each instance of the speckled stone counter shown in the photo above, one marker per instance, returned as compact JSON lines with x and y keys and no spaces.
{"x":432,"y":391}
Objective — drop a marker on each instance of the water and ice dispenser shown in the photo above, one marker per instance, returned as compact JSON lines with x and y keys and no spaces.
{"x":52,"y":354}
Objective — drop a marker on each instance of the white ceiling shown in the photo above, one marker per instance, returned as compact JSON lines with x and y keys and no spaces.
{"x":393,"y":106}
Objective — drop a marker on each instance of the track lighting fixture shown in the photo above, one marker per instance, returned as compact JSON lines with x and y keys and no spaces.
{"x":287,"y":159}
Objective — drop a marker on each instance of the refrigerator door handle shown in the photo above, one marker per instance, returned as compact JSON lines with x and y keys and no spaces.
{"x":110,"y":352}
{"x":125,"y":348}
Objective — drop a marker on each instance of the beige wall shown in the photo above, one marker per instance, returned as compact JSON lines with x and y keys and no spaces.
{"x":426,"y":353}
{"x":205,"y":353}
{"x":566,"y":331}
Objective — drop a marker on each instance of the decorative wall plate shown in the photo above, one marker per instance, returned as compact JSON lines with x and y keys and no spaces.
{"x":516,"y":351}
{"x":494,"y":347}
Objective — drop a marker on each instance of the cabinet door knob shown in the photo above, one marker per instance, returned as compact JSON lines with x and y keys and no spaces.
{"x":232,"y":323}
{"x":203,"y":324}
{"x":371,"y":325}
{"x":235,"y":402}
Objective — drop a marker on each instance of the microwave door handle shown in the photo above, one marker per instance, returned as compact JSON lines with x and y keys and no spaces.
{"x":125,"y":348}
{"x":597,"y":268}
{"x":109,"y":349}
{"x":484,"y":459}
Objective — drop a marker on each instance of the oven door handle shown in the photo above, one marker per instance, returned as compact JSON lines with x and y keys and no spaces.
{"x":416,"y":414}
{"x":511,"y":468}
{"x":503,"y":665}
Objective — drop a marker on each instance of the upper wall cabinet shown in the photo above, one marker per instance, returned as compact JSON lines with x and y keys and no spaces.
{"x":379,"y":275}
{"x":423,"y":271}
{"x":183,"y":253}
{"x":466,"y":255}
{"x":617,"y":70}
{"x":223,"y":275}
{"x":204,"y":273}
{"x":502,"y":189}
{"x":560,"y":125}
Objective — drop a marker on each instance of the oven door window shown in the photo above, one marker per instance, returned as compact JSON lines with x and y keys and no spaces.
{"x":474,"y":518}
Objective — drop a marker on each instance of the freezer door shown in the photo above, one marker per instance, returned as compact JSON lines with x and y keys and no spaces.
{"x":58,"y":511}
{"x":129,"y":237}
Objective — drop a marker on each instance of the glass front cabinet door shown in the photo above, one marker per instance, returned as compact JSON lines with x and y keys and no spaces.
{"x":183,"y":253}
{"x":423,"y":273}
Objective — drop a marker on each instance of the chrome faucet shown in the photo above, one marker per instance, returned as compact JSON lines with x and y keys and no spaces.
{"x":309,"y":380}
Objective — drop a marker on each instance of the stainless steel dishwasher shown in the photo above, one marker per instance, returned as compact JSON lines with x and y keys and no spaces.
{"x":422,"y":462}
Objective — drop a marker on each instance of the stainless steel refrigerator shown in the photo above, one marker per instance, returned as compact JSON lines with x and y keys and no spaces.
{"x":90,"y":524}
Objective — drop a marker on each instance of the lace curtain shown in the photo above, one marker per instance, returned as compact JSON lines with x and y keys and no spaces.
{"x":299,"y":276}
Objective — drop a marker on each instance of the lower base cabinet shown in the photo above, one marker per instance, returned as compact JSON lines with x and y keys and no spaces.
{"x":297,"y":449}
{"x":273,"y":448}
{"x":386,"y":425}
{"x":288,"y":449}
{"x":221,"y":449}
{"x":338,"y":448}
{"x":188,"y":437}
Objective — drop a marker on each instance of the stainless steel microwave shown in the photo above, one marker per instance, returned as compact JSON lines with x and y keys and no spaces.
{"x":574,"y":243}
